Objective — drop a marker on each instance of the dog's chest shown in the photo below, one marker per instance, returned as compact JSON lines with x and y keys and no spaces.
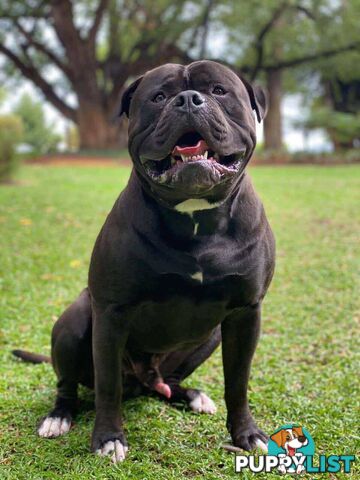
{"x":181,"y":313}
{"x":178,"y":316}
{"x":191,"y":288}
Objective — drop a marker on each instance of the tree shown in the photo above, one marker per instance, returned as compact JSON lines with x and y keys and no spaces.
{"x":340,"y":82}
{"x":280,"y":37}
{"x":336,"y":105}
{"x":92,"y":48}
{"x":37,"y":133}
{"x":10,"y":136}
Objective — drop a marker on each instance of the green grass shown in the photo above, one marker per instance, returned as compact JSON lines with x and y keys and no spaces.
{"x":306,"y":367}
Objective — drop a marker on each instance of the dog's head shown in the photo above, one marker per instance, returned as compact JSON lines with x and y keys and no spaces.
{"x":290,"y":439}
{"x":192,"y":129}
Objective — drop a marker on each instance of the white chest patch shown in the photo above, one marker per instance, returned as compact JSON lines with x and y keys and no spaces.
{"x":194,"y":204}
{"x":198,"y":276}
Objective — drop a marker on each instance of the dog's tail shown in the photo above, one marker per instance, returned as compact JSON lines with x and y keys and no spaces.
{"x":31,"y":357}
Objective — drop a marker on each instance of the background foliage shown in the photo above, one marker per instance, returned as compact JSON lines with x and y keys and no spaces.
{"x":81,"y":55}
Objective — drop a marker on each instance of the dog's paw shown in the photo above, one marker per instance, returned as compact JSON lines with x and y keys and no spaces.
{"x":114,"y":449}
{"x":52,"y":427}
{"x":110,"y":444}
{"x":249,"y":437}
{"x":202,"y":404}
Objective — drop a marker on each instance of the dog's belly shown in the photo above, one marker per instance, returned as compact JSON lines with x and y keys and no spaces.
{"x":177,"y":323}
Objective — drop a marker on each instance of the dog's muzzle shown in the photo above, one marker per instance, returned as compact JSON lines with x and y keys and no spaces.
{"x":192,"y":156}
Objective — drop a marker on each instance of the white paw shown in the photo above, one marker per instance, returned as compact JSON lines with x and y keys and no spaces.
{"x":114,"y":447}
{"x":52,"y":427}
{"x":202,"y":404}
{"x":262,"y":445}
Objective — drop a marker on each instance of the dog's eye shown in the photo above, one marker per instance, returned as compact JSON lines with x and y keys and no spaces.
{"x":218,"y":90}
{"x":159,"y":97}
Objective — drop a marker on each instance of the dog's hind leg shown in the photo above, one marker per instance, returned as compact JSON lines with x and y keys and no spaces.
{"x":197,"y":400}
{"x":72,"y":362}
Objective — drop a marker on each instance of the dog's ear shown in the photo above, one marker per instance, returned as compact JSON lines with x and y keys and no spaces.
{"x":278,"y":438}
{"x":127,"y":96}
{"x":258,"y":99}
{"x":298,"y":430}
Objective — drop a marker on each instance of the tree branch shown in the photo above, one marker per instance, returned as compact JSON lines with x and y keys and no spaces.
{"x":43,"y":49}
{"x":305,"y":11}
{"x":259,"y":43}
{"x":103,"y":4}
{"x":205,"y":25}
{"x":311,"y":57}
{"x":63,"y":22}
{"x":30,"y":72}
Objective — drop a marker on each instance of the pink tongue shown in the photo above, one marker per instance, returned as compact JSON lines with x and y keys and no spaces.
{"x":291,"y":451}
{"x":163,"y":389}
{"x":197,"y":149}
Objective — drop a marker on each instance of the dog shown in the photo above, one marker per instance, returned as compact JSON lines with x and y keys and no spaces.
{"x":183,"y":260}
{"x":290,"y":439}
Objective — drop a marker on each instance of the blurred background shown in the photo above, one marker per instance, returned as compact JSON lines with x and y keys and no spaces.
{"x":64,"y":65}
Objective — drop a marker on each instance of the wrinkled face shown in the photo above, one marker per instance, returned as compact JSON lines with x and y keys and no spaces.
{"x":191,"y":129}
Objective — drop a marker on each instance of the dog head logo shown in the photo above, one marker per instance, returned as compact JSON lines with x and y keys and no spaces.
{"x":290,"y":439}
{"x":292,"y":444}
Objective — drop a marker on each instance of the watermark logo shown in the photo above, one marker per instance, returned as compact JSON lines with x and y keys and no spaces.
{"x":291,"y":450}
{"x":291,"y":442}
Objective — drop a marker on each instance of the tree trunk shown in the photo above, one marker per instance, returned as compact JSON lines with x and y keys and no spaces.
{"x":273,"y":120}
{"x":96,"y":130}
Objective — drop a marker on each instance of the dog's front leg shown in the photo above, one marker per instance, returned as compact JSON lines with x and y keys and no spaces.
{"x":109,"y":339}
{"x":240,"y":333}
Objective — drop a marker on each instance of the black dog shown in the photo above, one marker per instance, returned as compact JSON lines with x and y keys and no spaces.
{"x":183,"y":260}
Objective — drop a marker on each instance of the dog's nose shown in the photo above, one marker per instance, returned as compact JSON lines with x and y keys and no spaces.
{"x":302,"y":439}
{"x":189,"y":100}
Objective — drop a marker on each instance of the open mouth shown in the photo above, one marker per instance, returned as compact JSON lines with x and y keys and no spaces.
{"x":291,"y":451}
{"x":191,"y":148}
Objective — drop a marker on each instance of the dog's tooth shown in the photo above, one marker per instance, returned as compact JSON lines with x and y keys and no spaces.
{"x":205,"y":154}
{"x":183,"y":158}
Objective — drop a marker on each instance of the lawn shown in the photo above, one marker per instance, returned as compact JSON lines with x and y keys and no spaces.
{"x":306,"y":367}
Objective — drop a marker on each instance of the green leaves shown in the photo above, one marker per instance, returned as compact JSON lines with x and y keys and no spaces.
{"x":38,"y":134}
